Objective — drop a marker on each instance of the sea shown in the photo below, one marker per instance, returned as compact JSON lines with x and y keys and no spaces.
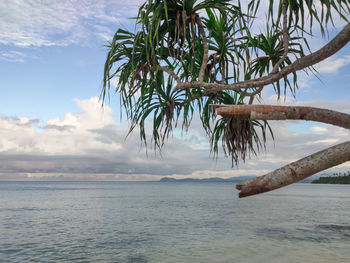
{"x":172,"y":222}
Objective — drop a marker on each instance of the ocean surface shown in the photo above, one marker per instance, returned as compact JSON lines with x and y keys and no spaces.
{"x":172,"y":222}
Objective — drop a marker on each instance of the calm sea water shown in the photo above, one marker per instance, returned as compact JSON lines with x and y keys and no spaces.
{"x":172,"y":222}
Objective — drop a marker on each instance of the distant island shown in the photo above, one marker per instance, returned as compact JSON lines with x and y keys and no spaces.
{"x":345,"y":179}
{"x":335,"y":178}
{"x":211,"y":179}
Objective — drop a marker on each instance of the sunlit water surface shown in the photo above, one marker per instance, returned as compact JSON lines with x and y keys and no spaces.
{"x":172,"y":222}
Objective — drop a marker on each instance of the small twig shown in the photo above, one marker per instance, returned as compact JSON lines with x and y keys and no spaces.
{"x":251,"y":95}
{"x":257,"y":91}
{"x":169,"y":71}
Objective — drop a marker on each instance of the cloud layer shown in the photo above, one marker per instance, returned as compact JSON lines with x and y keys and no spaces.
{"x":52,"y":23}
{"x":91,"y":144}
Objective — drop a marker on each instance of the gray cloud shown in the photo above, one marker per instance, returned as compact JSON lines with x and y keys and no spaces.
{"x":108,"y":134}
{"x":96,"y":146}
{"x":24,"y":122}
{"x":59,"y":128}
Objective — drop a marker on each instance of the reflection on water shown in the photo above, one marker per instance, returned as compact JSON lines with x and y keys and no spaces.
{"x":336,"y":228}
{"x":172,"y":222}
{"x":313,"y":233}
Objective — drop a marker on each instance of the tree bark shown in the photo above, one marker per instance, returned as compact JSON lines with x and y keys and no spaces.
{"x":302,"y":168}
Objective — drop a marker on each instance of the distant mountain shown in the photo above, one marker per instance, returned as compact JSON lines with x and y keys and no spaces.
{"x":167,"y":179}
{"x":209,"y":180}
{"x":242,"y":178}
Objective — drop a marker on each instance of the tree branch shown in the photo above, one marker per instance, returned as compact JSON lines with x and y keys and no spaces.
{"x":285,"y":37}
{"x":269,"y":112}
{"x":296,"y":171}
{"x":170,"y":72}
{"x":205,"y":50}
{"x":223,"y":71}
{"x":252,"y":94}
{"x":339,"y":41}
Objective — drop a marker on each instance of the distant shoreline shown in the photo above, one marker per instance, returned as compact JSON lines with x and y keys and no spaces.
{"x":333,"y":180}
{"x":208,"y":180}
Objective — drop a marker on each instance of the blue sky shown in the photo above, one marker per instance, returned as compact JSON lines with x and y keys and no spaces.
{"x":51,"y":63}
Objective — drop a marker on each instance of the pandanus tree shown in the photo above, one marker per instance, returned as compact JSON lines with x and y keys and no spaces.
{"x":190,"y":57}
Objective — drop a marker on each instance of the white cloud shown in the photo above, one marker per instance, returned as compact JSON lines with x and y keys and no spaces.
{"x":12,"y":56}
{"x":332,"y":64}
{"x":324,"y":141}
{"x":70,"y":135}
{"x":49,"y":23}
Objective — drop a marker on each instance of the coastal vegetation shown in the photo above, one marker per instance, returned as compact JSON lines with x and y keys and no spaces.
{"x":189,"y":57}
{"x":335,"y":179}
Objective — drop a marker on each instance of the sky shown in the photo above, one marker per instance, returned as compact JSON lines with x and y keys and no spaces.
{"x":52,"y":125}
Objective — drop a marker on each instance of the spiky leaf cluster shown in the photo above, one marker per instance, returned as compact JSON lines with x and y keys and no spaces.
{"x":202,"y":44}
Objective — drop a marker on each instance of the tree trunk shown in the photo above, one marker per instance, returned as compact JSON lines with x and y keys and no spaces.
{"x":302,"y":168}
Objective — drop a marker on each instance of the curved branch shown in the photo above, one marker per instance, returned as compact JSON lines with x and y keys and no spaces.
{"x":296,"y":171}
{"x":170,"y":72}
{"x":205,"y":49}
{"x":285,"y":37}
{"x":326,"y":51}
{"x":252,"y":94}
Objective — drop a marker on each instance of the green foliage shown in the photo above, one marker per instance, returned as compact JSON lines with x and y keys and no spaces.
{"x":313,"y":11}
{"x":333,"y":180}
{"x":169,"y":33}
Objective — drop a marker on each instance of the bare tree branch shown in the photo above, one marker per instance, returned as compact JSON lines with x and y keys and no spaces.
{"x":296,"y":171}
{"x":269,"y":112}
